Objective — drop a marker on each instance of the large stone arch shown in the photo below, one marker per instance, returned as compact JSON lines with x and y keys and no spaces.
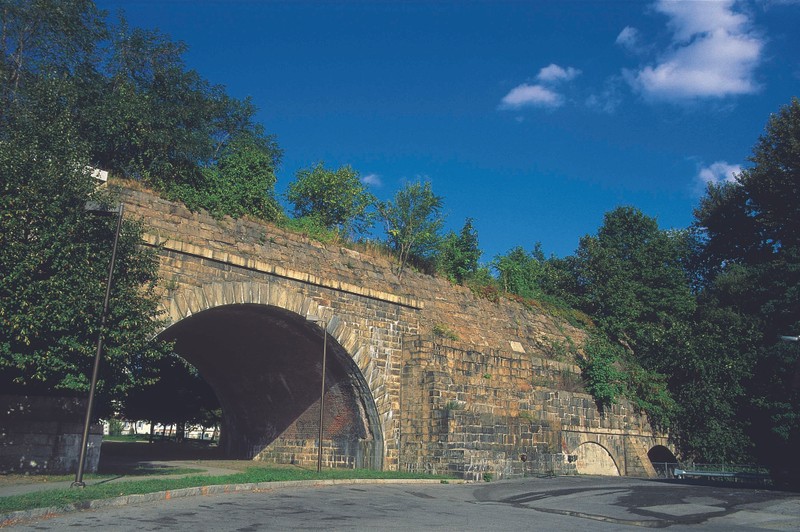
{"x":265,"y":330}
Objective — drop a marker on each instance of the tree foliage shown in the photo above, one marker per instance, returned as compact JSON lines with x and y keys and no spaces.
{"x":522,"y":273}
{"x":242,"y":182}
{"x":458,"y":254}
{"x":39,"y":37}
{"x":54,"y":258}
{"x":750,"y":260}
{"x":631,"y":279}
{"x":76,"y":91}
{"x":179,"y":395}
{"x":602,"y":371}
{"x":142,"y":113}
{"x":413,"y":221}
{"x":336,"y":198}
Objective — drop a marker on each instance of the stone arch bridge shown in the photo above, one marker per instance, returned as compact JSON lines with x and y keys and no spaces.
{"x":419,"y":375}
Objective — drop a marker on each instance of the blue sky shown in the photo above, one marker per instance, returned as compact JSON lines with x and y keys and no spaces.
{"x":534,"y":118}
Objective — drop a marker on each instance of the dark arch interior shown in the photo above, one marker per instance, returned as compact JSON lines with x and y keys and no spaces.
{"x":663,"y":461}
{"x":265,"y":366}
{"x":660,"y":454}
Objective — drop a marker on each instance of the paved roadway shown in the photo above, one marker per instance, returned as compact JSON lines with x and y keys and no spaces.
{"x":563,"y":503}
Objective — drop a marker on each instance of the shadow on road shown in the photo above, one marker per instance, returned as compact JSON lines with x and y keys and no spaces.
{"x":141,"y":458}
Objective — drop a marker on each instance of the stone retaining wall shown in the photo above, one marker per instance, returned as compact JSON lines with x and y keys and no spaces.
{"x":43,"y":435}
{"x":503,"y":385}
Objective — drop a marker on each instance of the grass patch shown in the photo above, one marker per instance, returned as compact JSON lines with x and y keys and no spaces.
{"x":107,"y":490}
{"x":443,"y":331}
{"x":109,"y":473}
{"x":126,"y":437}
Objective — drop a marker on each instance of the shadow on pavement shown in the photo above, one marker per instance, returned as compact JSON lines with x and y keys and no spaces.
{"x":139,"y":458}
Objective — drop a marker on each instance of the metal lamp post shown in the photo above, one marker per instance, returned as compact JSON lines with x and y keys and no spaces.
{"x":322,"y":389}
{"x":91,"y":207}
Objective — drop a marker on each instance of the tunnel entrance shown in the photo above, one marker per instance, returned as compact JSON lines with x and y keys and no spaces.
{"x":265,"y":366}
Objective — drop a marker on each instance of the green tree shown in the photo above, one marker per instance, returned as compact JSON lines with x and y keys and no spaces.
{"x":459,"y":254}
{"x":612,"y":372}
{"x":602,"y":371}
{"x":413,"y":221}
{"x":336,"y":198}
{"x":179,"y":396}
{"x":631,"y":278}
{"x":149,"y":118}
{"x":708,"y":369}
{"x":242,"y":182}
{"x":750,"y":261}
{"x":75,"y":91}
{"x":520,"y":272}
{"x":39,"y":37}
{"x":54,"y":259}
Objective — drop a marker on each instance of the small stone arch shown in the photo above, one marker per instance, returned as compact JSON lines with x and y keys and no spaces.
{"x":187,"y":303}
{"x":663,"y":460}
{"x":595,"y":459}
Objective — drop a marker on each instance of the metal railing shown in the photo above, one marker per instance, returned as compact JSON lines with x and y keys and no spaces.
{"x":665,"y":469}
{"x":727,"y":472}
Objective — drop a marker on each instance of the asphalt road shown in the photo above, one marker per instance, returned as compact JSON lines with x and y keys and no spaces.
{"x":563,"y":503}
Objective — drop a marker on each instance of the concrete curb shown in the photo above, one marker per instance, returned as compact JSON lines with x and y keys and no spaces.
{"x":23,"y":516}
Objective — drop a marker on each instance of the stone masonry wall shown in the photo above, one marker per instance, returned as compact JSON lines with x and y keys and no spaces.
{"x":43,"y":435}
{"x":377,"y":329}
{"x":472,"y":405}
{"x":475,"y":321}
{"x":472,"y":414}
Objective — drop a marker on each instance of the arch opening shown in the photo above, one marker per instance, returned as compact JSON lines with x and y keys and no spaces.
{"x":264,"y":363}
{"x":663,"y":460}
{"x":594,"y":459}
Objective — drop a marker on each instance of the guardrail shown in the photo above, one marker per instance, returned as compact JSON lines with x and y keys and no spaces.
{"x":665,"y":469}
{"x":727,"y":472}
{"x":683,"y":473}
{"x":725,"y":475}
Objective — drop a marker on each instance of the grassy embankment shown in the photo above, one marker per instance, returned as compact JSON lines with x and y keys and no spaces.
{"x":254,"y":474}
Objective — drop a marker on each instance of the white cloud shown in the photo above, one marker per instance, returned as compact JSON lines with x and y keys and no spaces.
{"x":531,"y":95}
{"x":553,"y":73}
{"x":542,"y":94}
{"x":713,"y":54}
{"x":372,"y":180}
{"x":718,"y":173}
{"x":628,"y":38}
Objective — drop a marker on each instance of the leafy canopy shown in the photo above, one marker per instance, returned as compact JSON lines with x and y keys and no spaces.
{"x":458,"y":254}
{"x":336,"y":198}
{"x":413,"y":221}
{"x":750,"y":260}
{"x":241,"y":183}
{"x":54,"y":259}
{"x":141,"y":112}
{"x":520,"y":272}
{"x":631,"y":279}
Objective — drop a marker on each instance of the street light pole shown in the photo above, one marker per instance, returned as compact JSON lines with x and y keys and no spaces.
{"x":322,"y":388}
{"x":78,"y":483}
